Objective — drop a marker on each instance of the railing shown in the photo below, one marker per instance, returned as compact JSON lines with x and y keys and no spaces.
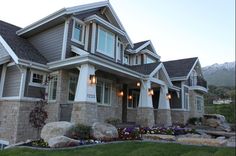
{"x":198,"y":81}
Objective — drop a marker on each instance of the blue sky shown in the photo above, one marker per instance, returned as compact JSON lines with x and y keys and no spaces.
{"x":177,"y":28}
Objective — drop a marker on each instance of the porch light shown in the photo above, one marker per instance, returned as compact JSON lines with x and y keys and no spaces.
{"x":168,"y":96}
{"x":121,"y":93}
{"x":93,"y":79}
{"x":130,"y":97}
{"x":150,"y":91}
{"x":138,"y":84}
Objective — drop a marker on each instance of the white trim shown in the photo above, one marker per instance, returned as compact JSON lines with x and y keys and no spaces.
{"x":186,"y":94}
{"x":3,"y":76}
{"x":156,"y":70}
{"x":128,"y":63}
{"x":65,"y":36}
{"x":11,"y":64}
{"x":22,"y":82}
{"x":158,"y":81}
{"x":104,"y":82}
{"x":105,"y":23}
{"x":93,"y":39}
{"x":9,"y":50}
{"x":86,"y":37}
{"x":155,"y":55}
{"x":199,"y":88}
{"x":182,"y":94}
{"x":78,"y":51}
{"x":33,"y":65}
{"x":192,"y":68}
{"x":107,"y":32}
{"x":202,"y":104}
{"x":78,"y":21}
{"x":116,"y":48}
{"x":19,"y":98}
{"x":31,"y":83}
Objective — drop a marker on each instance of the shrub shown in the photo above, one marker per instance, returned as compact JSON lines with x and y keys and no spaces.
{"x":81,"y":132}
{"x":113,"y":121}
{"x":39,"y":143}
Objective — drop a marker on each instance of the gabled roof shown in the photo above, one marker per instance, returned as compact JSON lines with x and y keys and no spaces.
{"x":60,"y":15}
{"x":180,"y":68}
{"x":139,"y":44}
{"x":20,"y":46}
{"x":145,"y":69}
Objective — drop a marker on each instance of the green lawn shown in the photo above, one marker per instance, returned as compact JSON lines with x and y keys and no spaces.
{"x":127,"y":149}
{"x":228,"y":110}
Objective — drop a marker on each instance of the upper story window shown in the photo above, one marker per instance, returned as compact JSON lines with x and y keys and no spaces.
{"x":150,"y":60}
{"x":37,"y":78}
{"x":106,"y":42}
{"x":120,"y":50}
{"x":126,"y":59}
{"x":78,"y":31}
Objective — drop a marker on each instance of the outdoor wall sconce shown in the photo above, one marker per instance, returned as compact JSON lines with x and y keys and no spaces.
{"x":168,"y":96}
{"x":130,"y":97}
{"x":93,"y":79}
{"x":150,"y":91}
{"x":121,"y":93}
{"x":138,"y":84}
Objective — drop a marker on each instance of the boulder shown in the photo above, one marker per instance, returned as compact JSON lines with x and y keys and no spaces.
{"x":158,"y":137}
{"x":202,"y":141}
{"x":231,"y":141}
{"x":62,"y":141}
{"x":104,"y":131}
{"x":54,"y":129}
{"x":216,"y":121}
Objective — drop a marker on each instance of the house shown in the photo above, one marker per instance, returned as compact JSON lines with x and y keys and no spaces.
{"x":82,"y":61}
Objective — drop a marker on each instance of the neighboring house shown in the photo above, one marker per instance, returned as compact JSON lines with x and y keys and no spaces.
{"x":222,"y":101}
{"x":186,"y":74}
{"x":83,"y":62}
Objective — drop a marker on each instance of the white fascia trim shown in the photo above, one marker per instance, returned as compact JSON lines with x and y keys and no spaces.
{"x":2,"y":81}
{"x":198,"y":88}
{"x":151,"y":53}
{"x":78,"y":51}
{"x":65,"y":36}
{"x":182,"y":78}
{"x":34,"y":65}
{"x":41,"y":21}
{"x":155,"y":80}
{"x":13,"y":98}
{"x":192,"y":68}
{"x":156,"y":70}
{"x":142,"y":46}
{"x":102,"y":21}
{"x":4,"y":59}
{"x":167,"y":76}
{"x":175,"y":88}
{"x":22,"y":82}
{"x":9,"y":50}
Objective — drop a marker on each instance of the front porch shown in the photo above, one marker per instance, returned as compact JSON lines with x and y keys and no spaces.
{"x":113,"y":94}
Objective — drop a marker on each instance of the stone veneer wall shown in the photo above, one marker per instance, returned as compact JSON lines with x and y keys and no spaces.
{"x":14,"y":120}
{"x":131,"y":114}
{"x":193,"y":107}
{"x":179,"y":116}
{"x":163,"y":117}
{"x":145,"y":117}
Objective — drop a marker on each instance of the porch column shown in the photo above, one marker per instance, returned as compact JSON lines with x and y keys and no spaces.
{"x":145,"y":112}
{"x":163,"y":112}
{"x":85,"y":107}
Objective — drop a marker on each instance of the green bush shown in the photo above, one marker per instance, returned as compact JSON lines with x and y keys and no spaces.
{"x":193,"y":120}
{"x":82,"y":132}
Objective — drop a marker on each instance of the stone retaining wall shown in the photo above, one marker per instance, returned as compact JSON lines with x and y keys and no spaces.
{"x":179,"y":116}
{"x":131,"y":114}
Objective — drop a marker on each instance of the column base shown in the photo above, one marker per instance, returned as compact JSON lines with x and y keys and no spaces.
{"x":84,"y":113}
{"x":163,"y":117}
{"x":145,"y":117}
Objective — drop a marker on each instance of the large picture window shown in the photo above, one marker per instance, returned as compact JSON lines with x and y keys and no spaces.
{"x":78,"y":32}
{"x":52,"y":88}
{"x":106,"y":42}
{"x":72,"y":87}
{"x":103,"y":91}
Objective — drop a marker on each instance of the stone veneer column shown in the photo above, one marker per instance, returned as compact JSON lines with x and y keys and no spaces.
{"x":163,"y":112}
{"x":85,"y":107}
{"x":145,"y":112}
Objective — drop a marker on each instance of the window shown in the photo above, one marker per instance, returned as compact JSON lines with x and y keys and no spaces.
{"x":126,"y":59}
{"x":106,"y":42}
{"x":52,"y":88}
{"x":186,"y":101}
{"x":103,"y":91}
{"x":78,"y":32}
{"x":149,"y":60}
{"x":72,"y":87}
{"x":133,"y":103}
{"x":199,"y":103}
{"x":37,"y":78}
{"x":120,"y":50}
{"x":137,"y":60}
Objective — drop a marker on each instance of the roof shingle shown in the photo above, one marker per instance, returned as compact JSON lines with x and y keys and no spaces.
{"x":145,"y":69}
{"x":179,"y":68}
{"x":22,"y":48}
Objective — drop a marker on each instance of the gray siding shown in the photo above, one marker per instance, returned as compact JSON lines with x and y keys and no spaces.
{"x":175,"y":102}
{"x":49,"y":42}
{"x":3,"y":52}
{"x":31,"y":91}
{"x":12,"y":82}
